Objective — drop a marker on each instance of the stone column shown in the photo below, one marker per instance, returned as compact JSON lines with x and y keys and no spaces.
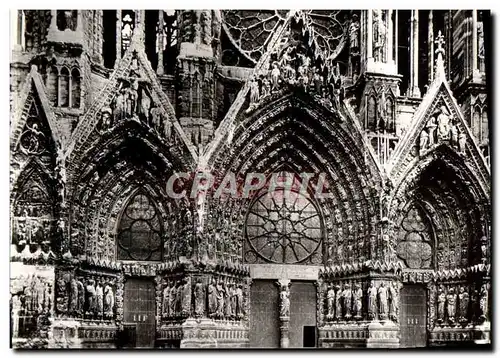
{"x":396,"y":39}
{"x":369,"y":35}
{"x":161,"y":41}
{"x":284,"y":312}
{"x":118,"y":36}
{"x":415,"y":89}
{"x":390,"y":33}
{"x":430,"y":43}
{"x":474,"y":41}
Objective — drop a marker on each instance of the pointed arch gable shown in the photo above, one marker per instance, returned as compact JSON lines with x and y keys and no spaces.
{"x":33,"y":94}
{"x":82,"y":135}
{"x":405,"y":155}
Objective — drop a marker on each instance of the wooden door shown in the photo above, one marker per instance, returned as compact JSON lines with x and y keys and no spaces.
{"x":139,"y":308}
{"x":413,"y":316}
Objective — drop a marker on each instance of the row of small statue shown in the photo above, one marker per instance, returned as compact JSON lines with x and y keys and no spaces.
{"x":448,"y":300}
{"x":35,"y":298}
{"x":295,"y":70}
{"x":95,"y":299}
{"x":225,"y":299}
{"x":441,"y":129}
{"x":345,"y":303}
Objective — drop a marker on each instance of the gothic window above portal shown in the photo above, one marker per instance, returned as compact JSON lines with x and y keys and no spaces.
{"x":283,"y":227}
{"x":415,"y":242}
{"x":139,"y":233}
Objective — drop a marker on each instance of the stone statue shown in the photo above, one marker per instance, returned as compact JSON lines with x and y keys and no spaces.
{"x":254,"y":92}
{"x":441,"y":298}
{"x":172,"y":299}
{"x":394,"y":297}
{"x":145,"y":105}
{"x":106,"y":121}
{"x":424,"y":140}
{"x":199,"y":299}
{"x":451,"y":304}
{"x":186,"y":296}
{"x":69,"y":19}
{"x":91,"y":299}
{"x":284,"y":302}
{"x":109,"y":301}
{"x":99,"y":294}
{"x":47,"y":297}
{"x":81,"y":297}
{"x":212,"y":299}
{"x":347,"y":300}
{"x":379,"y":35}
{"x":73,"y":303}
{"x":431,"y":129}
{"x":166,"y":300}
{"x":443,"y":124}
{"x":275,"y":76}
{"x":266,"y":87}
{"x":463,"y":299}
{"x":220,"y":300}
{"x":354,"y":35}
{"x":131,"y":97}
{"x":338,"y":302}
{"x":317,"y":81}
{"x":454,"y":135}
{"x":330,"y":302}
{"x":228,"y":308}
{"x":119,"y":105}
{"x":240,"y":309}
{"x":357,"y":304}
{"x":462,"y":139}
{"x":382,"y":301}
{"x":483,"y":302}
{"x":372,"y":301}
{"x":381,"y":113}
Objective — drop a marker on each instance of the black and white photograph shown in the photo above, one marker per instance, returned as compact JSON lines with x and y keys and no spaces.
{"x":250,"y":179}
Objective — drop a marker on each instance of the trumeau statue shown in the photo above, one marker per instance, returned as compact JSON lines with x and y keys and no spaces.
{"x":284,"y":302}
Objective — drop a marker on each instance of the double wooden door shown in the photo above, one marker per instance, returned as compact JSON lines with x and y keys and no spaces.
{"x":413,"y":316}
{"x":139,"y":309}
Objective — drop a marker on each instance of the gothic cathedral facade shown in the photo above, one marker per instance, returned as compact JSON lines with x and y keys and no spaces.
{"x":392,"y":106}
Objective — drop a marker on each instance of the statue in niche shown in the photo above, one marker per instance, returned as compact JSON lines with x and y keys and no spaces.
{"x":220,"y":300}
{"x":379,"y":36}
{"x":330,"y":302}
{"x":357,"y":296}
{"x":199,"y":299}
{"x":394,"y":297}
{"x":338,"y":302}
{"x":109,"y":301}
{"x":347,"y":300}
{"x":381,"y":113}
{"x":66,"y":20}
{"x":480,"y":46}
{"x":186,"y":296}
{"x":463,"y":299}
{"x":483,"y":303}
{"x":212,"y":299}
{"x":284,"y":302}
{"x":424,"y":140}
{"x":474,"y":306}
{"x":166,"y":301}
{"x":99,"y":294}
{"x":451,"y":305}
{"x":372,"y":301}
{"x":431,"y":129}
{"x":172,"y":299}
{"x":382,"y":301}
{"x":443,"y":124}
{"x":240,"y":309}
{"x":90,"y":297}
{"x":73,"y":303}
{"x":206,"y":27}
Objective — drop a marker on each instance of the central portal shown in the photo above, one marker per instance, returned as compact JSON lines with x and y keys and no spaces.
{"x":139,"y":308}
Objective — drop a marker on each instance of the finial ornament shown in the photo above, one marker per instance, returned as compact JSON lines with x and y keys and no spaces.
{"x":440,"y":71}
{"x":440,"y":42}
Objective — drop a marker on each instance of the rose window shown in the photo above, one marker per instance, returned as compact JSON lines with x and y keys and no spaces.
{"x":139,"y":236}
{"x":283,"y":227}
